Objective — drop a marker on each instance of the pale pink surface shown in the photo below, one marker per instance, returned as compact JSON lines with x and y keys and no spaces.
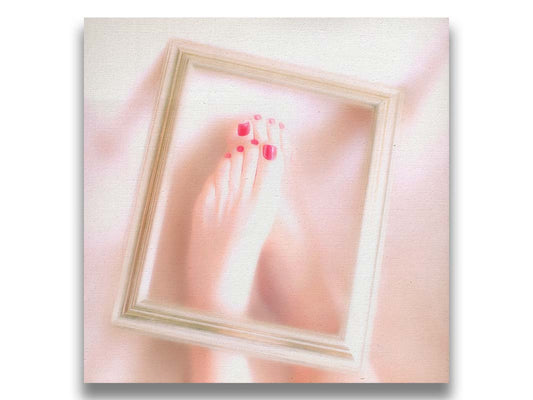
{"x":410,"y":341}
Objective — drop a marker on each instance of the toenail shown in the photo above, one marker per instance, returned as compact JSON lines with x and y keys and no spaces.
{"x":269,"y":151}
{"x":227,"y":155}
{"x":255,"y":141}
{"x":240,"y":149}
{"x":271,"y":120}
{"x":243,"y":129}
{"x":281,"y":125}
{"x":257,"y":117}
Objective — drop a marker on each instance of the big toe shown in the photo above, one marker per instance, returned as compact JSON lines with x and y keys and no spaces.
{"x":269,"y":171}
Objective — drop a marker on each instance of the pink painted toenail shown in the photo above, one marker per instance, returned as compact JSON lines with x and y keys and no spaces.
{"x":257,"y":117}
{"x":255,"y":141}
{"x":281,"y":125}
{"x":269,"y":151}
{"x":240,"y":149}
{"x":243,"y":129}
{"x":271,"y":120}
{"x":227,"y":155}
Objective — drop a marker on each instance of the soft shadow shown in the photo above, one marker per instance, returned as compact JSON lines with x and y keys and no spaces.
{"x":452,"y":199}
{"x":260,"y":390}
{"x":78,"y":131}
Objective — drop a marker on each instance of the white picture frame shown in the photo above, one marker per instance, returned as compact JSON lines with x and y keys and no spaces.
{"x":345,"y":351}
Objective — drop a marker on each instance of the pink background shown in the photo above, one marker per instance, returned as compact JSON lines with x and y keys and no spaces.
{"x":410,"y":341}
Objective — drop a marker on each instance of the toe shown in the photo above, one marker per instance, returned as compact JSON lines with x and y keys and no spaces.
{"x":244,"y":128}
{"x":235,"y":175}
{"x":222,"y":184}
{"x":249,"y":169}
{"x":282,"y":140}
{"x":210,"y":201}
{"x":205,"y":205}
{"x":269,"y":153}
{"x":269,"y":170}
{"x":273,"y":131}
{"x":260,"y":130}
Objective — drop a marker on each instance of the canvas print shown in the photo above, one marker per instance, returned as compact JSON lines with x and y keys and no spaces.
{"x":266,"y":205}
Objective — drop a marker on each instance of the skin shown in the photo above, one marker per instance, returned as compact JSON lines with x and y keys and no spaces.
{"x":232,"y":218}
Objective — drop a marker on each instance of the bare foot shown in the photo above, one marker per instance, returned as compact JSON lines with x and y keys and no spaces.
{"x":232,"y":218}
